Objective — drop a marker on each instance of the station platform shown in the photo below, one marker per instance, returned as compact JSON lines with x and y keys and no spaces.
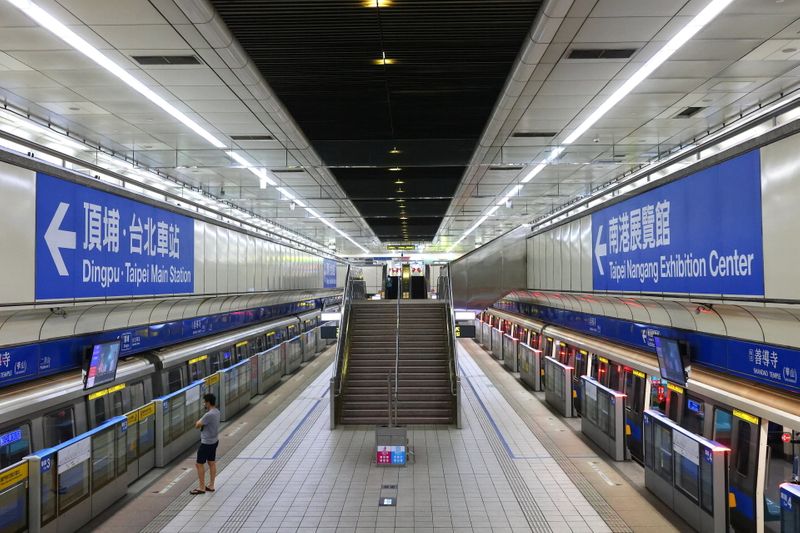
{"x":514,"y":466}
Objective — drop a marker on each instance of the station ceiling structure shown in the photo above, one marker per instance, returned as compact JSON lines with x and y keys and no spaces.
{"x":321,"y":102}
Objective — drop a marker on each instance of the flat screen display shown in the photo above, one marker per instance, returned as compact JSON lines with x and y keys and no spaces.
{"x":102,"y":364}
{"x":670,"y":360}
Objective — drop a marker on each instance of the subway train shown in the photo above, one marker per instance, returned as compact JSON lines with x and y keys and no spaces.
{"x":751,"y":420}
{"x":46,"y":412}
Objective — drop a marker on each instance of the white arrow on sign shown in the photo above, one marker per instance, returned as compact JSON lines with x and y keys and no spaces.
{"x":600,"y":250}
{"x":57,"y":238}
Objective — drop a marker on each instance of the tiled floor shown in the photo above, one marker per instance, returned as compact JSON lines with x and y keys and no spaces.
{"x":298,"y":475}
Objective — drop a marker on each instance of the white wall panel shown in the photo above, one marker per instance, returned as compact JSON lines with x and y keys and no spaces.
{"x":199,"y":257}
{"x":529,"y":280}
{"x":239,"y":262}
{"x":222,"y":260}
{"x":575,"y":255}
{"x":780,"y":191}
{"x":210,"y":258}
{"x":586,"y":253}
{"x":558,"y":243}
{"x":17,"y":234}
{"x":258,"y":271}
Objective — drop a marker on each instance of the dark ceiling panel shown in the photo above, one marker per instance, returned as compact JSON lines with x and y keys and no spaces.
{"x":447,"y":61}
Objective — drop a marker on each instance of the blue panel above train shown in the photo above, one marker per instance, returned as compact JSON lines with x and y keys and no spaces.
{"x":31,"y":361}
{"x":768,"y":364}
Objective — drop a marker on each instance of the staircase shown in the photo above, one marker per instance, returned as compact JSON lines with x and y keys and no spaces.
{"x":423,"y":383}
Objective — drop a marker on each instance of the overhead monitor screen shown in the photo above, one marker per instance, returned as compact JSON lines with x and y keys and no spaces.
{"x":670,"y":360}
{"x":102,"y":364}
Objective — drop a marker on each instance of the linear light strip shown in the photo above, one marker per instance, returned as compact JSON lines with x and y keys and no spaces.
{"x":53,"y":25}
{"x":709,"y":13}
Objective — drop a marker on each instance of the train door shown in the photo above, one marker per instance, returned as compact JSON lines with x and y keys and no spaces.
{"x":741,"y":432}
{"x":241,"y":351}
{"x":635,"y":389}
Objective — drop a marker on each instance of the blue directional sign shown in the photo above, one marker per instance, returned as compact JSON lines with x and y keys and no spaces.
{"x":329,"y":273}
{"x":91,"y":243}
{"x":700,"y":234}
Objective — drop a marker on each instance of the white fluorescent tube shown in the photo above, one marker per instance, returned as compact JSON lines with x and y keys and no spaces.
{"x":687,"y":32}
{"x":47,"y":21}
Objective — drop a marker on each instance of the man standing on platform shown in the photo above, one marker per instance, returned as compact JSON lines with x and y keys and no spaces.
{"x":209,"y":439}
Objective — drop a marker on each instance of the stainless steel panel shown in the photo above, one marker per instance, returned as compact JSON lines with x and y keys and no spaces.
{"x":740,"y":322}
{"x":529,"y":276}
{"x":234,"y":261}
{"x":250,"y":269}
{"x":707,"y":321}
{"x":18,"y":235}
{"x":258,"y":267}
{"x":780,"y":327}
{"x":780,"y":189}
{"x":658,"y":315}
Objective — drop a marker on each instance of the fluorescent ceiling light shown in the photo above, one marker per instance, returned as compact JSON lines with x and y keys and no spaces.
{"x":687,"y":32}
{"x":47,"y":21}
{"x":708,"y":14}
{"x":50,"y":23}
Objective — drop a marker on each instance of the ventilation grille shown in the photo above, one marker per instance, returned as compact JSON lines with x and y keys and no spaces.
{"x":534,"y":134}
{"x":689,"y":112}
{"x":601,"y":53}
{"x":167,"y":60}
{"x":252,"y":137}
{"x":284,"y":170}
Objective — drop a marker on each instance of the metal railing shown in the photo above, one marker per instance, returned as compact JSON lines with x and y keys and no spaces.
{"x":394,"y":398}
{"x":455,"y":379}
{"x":341,"y":359}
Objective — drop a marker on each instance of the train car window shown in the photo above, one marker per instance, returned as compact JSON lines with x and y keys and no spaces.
{"x":196,"y":371}
{"x":743,"y":434}
{"x":99,"y":406}
{"x":137,"y":394}
{"x":225,"y":357}
{"x":215,"y":358}
{"x":116,"y":403}
{"x":59,"y":426}
{"x":693,"y":414}
{"x":658,"y":395}
{"x":15,"y":443}
{"x":662,"y":464}
{"x":174,"y":381}
{"x":723,"y":421}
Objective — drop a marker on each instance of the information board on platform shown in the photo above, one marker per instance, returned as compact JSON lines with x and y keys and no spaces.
{"x":700,"y":234}
{"x":91,"y":243}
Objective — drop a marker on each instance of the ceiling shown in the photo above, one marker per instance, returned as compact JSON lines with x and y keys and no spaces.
{"x":474,"y":94}
{"x":745,"y":57}
{"x":419,"y":112}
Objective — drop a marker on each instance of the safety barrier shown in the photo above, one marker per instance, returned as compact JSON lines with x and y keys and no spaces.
{"x":176,"y":414}
{"x":309,"y":342}
{"x":14,"y":496}
{"x":293,"y":354}
{"x":479,"y":331}
{"x":510,"y":352}
{"x":790,"y":506}
{"x":486,"y":336}
{"x":531,"y":369}
{"x":72,"y":483}
{"x":603,"y":418}
{"x":64,"y":487}
{"x":558,"y":386}
{"x":496,"y":348}
{"x":270,"y":368}
{"x":686,"y":472}
{"x":140,"y":441}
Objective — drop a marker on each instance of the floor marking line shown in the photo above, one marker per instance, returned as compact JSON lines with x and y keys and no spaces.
{"x":174,"y":481}
{"x":497,"y":430}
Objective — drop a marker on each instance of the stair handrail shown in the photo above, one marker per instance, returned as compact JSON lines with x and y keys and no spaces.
{"x":453,"y":366}
{"x":397,"y":357}
{"x":341,"y":358}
